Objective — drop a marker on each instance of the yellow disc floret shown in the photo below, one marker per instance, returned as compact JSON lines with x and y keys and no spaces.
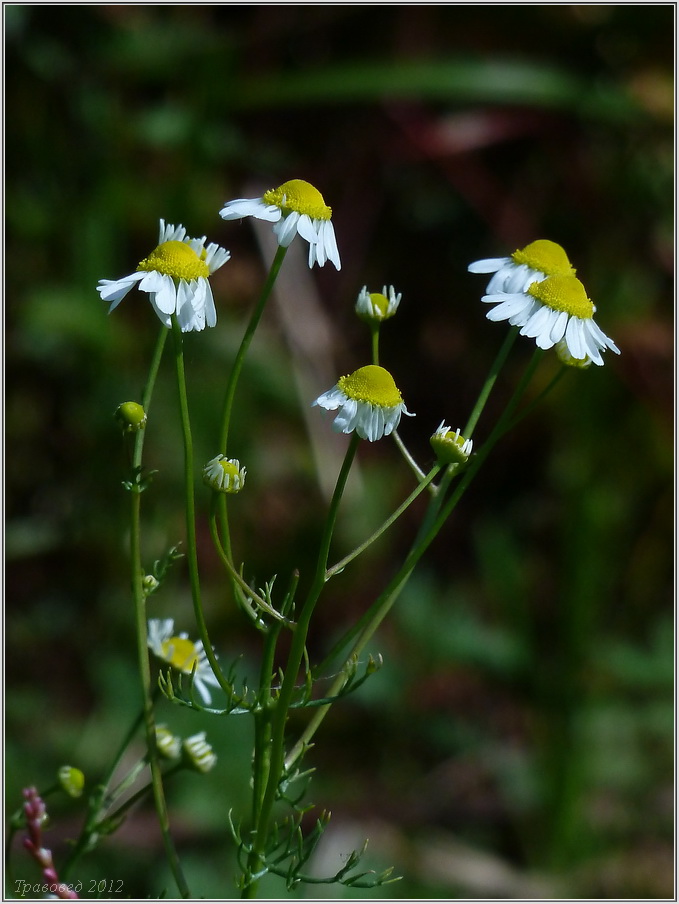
{"x":381,"y":302}
{"x":180,"y":652}
{"x":371,"y":384}
{"x":563,"y":293}
{"x":301,"y":197}
{"x":545,"y":256}
{"x":176,"y":259}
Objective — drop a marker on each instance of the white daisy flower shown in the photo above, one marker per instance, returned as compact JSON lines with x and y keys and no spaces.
{"x":450,"y":448}
{"x":182,"y":654}
{"x":368,"y":403}
{"x":533,"y":263}
{"x":555,"y":309}
{"x":224,"y":475}
{"x":175,"y":276}
{"x":294,"y":207}
{"x":198,"y":753}
{"x":376,"y":306}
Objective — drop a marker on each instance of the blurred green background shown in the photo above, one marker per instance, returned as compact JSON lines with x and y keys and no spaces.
{"x":518,"y":741}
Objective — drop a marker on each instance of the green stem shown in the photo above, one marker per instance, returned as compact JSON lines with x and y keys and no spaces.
{"x":190,"y":506}
{"x":145,"y":674}
{"x":425,"y":482}
{"x":495,"y":369}
{"x":245,"y":344}
{"x":295,"y":657}
{"x":417,"y":470}
{"x":233,"y":383}
{"x":375,"y":341}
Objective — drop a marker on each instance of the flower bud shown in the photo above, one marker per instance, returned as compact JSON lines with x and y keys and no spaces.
{"x":131,"y":416}
{"x":198,"y":754}
{"x":450,"y":448}
{"x":374,"y":307}
{"x":71,"y":780}
{"x":224,"y":475}
{"x":149,"y":583}
{"x":564,"y":355}
{"x":168,"y":745}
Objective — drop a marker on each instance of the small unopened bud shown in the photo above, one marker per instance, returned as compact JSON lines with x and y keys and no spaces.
{"x":131,"y":416}
{"x":168,"y":745}
{"x":224,"y":475}
{"x":198,"y":754}
{"x":149,"y":583}
{"x":373,"y":307}
{"x":71,"y":780}
{"x":564,"y":355}
{"x":450,"y":448}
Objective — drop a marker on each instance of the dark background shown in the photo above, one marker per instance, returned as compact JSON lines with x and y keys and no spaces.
{"x":518,"y":741}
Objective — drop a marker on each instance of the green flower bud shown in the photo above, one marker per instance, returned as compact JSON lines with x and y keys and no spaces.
{"x":374,"y":307}
{"x":564,"y":355}
{"x":71,"y":780}
{"x":131,"y":416}
{"x":450,"y":448}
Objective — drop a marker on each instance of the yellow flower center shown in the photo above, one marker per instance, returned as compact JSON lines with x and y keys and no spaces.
{"x":381,"y":302}
{"x":545,"y":256}
{"x":180,"y":652}
{"x":371,"y":384}
{"x":229,"y":468}
{"x":299,"y":196}
{"x":563,"y":293}
{"x":176,"y":259}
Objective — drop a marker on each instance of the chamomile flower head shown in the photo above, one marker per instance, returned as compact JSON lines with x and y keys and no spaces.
{"x":368,"y":402}
{"x":377,"y":306}
{"x":182,"y":654}
{"x":176,"y":277}
{"x":450,"y":447}
{"x":224,"y":475}
{"x":169,"y":745}
{"x":517,"y":272}
{"x":554,"y":309}
{"x":198,"y":754}
{"x":295,"y":207}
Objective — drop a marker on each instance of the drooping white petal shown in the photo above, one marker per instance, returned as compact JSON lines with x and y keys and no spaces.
{"x":286,"y":229}
{"x":250,"y":207}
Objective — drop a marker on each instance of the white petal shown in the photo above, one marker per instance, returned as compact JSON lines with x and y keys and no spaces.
{"x":575,"y":339}
{"x":286,"y":229}
{"x":188,"y":311}
{"x":306,"y":228}
{"x":165,"y":294}
{"x":114,"y":290}
{"x":216,"y":257}
{"x":331,"y":400}
{"x":488,"y":265}
{"x":250,"y":207}
{"x":558,"y":327}
{"x":326,"y":238}
{"x":210,"y":309}
{"x":539,"y":326}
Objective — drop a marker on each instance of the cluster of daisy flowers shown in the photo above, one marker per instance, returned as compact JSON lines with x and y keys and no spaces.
{"x":537,"y":290}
